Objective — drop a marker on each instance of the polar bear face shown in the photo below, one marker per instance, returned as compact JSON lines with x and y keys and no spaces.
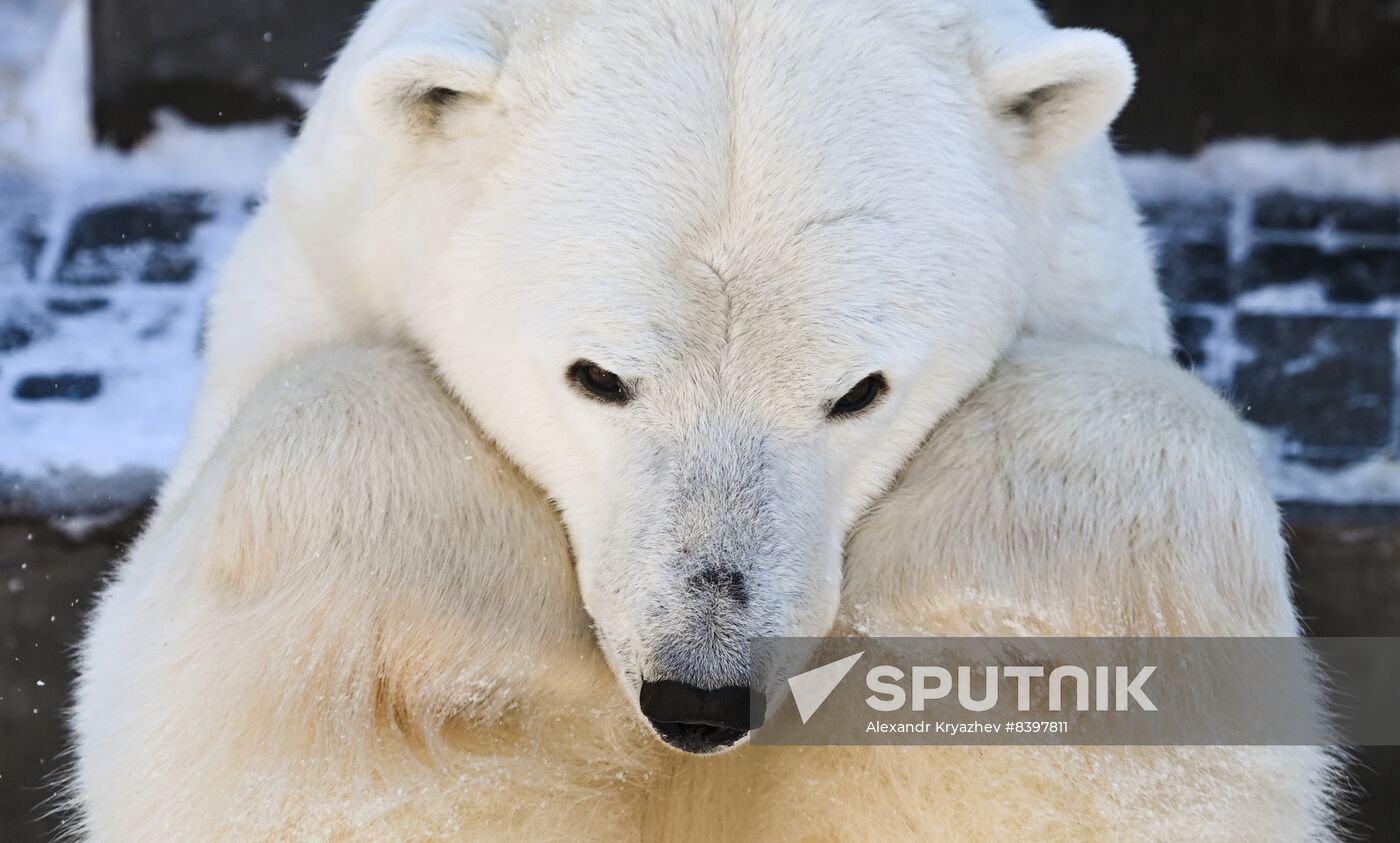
{"x":710,"y":276}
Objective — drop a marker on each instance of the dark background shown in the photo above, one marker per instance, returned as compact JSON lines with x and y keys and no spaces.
{"x":1208,"y":70}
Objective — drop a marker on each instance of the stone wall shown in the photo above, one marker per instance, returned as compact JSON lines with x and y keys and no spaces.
{"x":1287,"y":303}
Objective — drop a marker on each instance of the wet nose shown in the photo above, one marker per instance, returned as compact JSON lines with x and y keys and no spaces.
{"x":698,"y":720}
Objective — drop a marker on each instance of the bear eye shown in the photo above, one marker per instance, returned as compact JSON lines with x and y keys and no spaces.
{"x":598,"y":383}
{"x":859,"y":397}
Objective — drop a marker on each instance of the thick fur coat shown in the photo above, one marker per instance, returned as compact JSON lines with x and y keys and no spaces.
{"x":407,"y":576}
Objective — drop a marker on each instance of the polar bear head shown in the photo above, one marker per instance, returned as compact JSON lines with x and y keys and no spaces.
{"x":708,"y":272}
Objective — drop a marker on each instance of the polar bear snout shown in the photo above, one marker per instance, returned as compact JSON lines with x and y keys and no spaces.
{"x":699,"y":720}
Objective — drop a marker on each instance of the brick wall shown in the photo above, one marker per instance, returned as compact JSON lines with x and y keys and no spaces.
{"x":1288,"y":304}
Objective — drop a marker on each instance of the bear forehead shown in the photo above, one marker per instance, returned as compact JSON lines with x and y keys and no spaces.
{"x":846,"y":286}
{"x":783,"y":182}
{"x":616,"y":37}
{"x":757,"y":112}
{"x":726,"y":146}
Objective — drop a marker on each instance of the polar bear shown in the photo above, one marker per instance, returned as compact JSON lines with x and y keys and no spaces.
{"x":710,"y":251}
{"x":713,"y":281}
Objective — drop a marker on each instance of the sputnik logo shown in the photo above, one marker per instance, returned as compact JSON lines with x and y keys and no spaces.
{"x":810,"y":689}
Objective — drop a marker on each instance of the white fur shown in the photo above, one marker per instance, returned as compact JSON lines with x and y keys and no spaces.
{"x":744,"y":208}
{"x":361,"y":625}
{"x":741,"y":208}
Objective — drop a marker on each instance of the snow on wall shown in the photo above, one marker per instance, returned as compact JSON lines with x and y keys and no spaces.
{"x":105,"y":262}
{"x":1283,"y":264}
{"x":1283,"y":267}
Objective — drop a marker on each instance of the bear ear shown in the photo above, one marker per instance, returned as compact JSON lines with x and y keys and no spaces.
{"x":409,"y":87}
{"x":1060,"y":89}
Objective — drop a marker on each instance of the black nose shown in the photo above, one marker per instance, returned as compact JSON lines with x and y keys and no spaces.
{"x":696,"y":719}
